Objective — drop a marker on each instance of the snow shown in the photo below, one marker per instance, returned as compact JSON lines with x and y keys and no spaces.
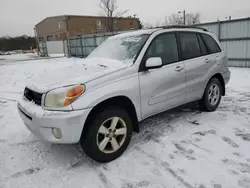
{"x":30,"y":107}
{"x":25,"y":57}
{"x":135,"y":33}
{"x":79,"y":73}
{"x":56,"y":55}
{"x":182,"y":148}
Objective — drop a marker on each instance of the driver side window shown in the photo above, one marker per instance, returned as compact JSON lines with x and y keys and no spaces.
{"x":165,"y":47}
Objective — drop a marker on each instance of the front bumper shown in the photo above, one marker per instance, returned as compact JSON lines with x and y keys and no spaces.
{"x":40,"y":122}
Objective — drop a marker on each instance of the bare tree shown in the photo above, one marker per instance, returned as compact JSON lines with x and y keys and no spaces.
{"x":147,"y":26}
{"x":193,"y":18}
{"x":175,"y":19}
{"x":178,"y":19}
{"x":110,"y":8}
{"x":158,"y":24}
{"x":140,"y":24}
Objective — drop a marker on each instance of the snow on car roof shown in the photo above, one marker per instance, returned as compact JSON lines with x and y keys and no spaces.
{"x":150,"y":31}
{"x":135,"y":33}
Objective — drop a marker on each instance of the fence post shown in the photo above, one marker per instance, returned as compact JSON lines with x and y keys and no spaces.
{"x":85,"y":46}
{"x":219,"y":30}
{"x":81,"y":45}
{"x":94,"y":41}
{"x":68,"y":47}
{"x":63,"y":48}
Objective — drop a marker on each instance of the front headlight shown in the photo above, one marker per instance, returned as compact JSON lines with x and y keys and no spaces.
{"x":63,"y":96}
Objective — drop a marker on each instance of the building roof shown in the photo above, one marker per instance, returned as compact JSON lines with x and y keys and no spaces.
{"x":223,"y":21}
{"x":85,"y":16}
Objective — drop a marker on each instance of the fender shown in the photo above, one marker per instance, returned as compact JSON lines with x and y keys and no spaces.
{"x":128,"y":87}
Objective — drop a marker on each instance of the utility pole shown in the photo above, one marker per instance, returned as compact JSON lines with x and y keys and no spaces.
{"x":184,"y":16}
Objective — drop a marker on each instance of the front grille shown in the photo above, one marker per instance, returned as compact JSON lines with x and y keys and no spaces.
{"x":33,"y":96}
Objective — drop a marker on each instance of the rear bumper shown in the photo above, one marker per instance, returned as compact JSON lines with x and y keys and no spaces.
{"x":41,"y":122}
{"x":226,"y":77}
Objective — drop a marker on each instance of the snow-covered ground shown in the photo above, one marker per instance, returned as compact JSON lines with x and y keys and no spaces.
{"x":23,"y":57}
{"x":180,"y":148}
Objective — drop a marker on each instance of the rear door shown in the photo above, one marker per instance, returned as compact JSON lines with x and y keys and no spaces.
{"x":197,"y":62}
{"x":162,"y":88}
{"x":216,"y":55}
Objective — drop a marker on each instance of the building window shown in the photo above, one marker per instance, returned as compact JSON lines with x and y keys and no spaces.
{"x":49,"y":38}
{"x":98,"y":24}
{"x":80,"y":30}
{"x":41,"y":38}
{"x":60,"y":25}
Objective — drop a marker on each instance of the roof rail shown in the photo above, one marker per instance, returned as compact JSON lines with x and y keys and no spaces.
{"x":182,"y":27}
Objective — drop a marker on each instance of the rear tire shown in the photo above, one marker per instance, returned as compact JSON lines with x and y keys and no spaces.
{"x":107,"y":135}
{"x":212,"y":96}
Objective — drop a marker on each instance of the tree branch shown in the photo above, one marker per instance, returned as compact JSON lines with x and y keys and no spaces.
{"x":110,"y":8}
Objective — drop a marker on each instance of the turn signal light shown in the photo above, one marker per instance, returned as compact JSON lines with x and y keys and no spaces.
{"x":73,"y":93}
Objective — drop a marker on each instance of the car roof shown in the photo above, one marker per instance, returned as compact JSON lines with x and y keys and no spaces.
{"x":136,"y":33}
{"x":170,"y":28}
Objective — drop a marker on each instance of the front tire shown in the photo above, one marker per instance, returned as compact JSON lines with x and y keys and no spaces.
{"x":212,"y":96}
{"x":107,"y":135}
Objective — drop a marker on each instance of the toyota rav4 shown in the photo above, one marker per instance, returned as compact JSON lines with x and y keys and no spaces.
{"x":129,"y":77}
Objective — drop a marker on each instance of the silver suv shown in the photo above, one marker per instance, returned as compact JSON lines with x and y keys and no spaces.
{"x":128,"y":78}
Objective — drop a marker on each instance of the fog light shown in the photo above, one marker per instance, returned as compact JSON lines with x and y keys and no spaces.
{"x":57,"y":133}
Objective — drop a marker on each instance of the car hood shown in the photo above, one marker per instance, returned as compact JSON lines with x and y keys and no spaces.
{"x":80,"y":73}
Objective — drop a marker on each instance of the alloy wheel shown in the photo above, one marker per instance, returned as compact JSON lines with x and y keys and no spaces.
{"x":213,"y":94}
{"x":111,"y":135}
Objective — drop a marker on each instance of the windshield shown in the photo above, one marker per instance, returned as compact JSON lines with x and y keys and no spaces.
{"x":120,"y":48}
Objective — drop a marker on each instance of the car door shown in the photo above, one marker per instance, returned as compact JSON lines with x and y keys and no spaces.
{"x":196,"y":60}
{"x":216,"y":58}
{"x":162,"y":88}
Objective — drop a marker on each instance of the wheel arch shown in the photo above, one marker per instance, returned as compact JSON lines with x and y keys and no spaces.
{"x":221,"y":79}
{"x":119,"y":101}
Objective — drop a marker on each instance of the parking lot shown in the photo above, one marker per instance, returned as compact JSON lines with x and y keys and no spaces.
{"x":179,"y":148}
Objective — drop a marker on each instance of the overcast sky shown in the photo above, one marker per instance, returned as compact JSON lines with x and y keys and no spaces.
{"x":19,"y":16}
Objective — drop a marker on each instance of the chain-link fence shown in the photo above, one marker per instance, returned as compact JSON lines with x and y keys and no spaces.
{"x":43,"y":52}
{"x":82,"y":46}
{"x":234,"y":36}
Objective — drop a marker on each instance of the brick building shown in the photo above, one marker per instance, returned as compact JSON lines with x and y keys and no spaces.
{"x":59,"y":27}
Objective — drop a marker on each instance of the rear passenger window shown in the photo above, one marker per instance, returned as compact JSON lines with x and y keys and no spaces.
{"x":190,"y":47}
{"x":211,"y":44}
{"x":165,"y":47}
{"x":204,"y":50}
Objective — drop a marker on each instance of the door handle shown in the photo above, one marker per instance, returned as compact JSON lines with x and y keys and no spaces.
{"x":207,"y":60}
{"x":178,"y":68}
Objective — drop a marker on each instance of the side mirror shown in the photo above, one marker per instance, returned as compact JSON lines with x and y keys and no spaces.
{"x":153,"y":63}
